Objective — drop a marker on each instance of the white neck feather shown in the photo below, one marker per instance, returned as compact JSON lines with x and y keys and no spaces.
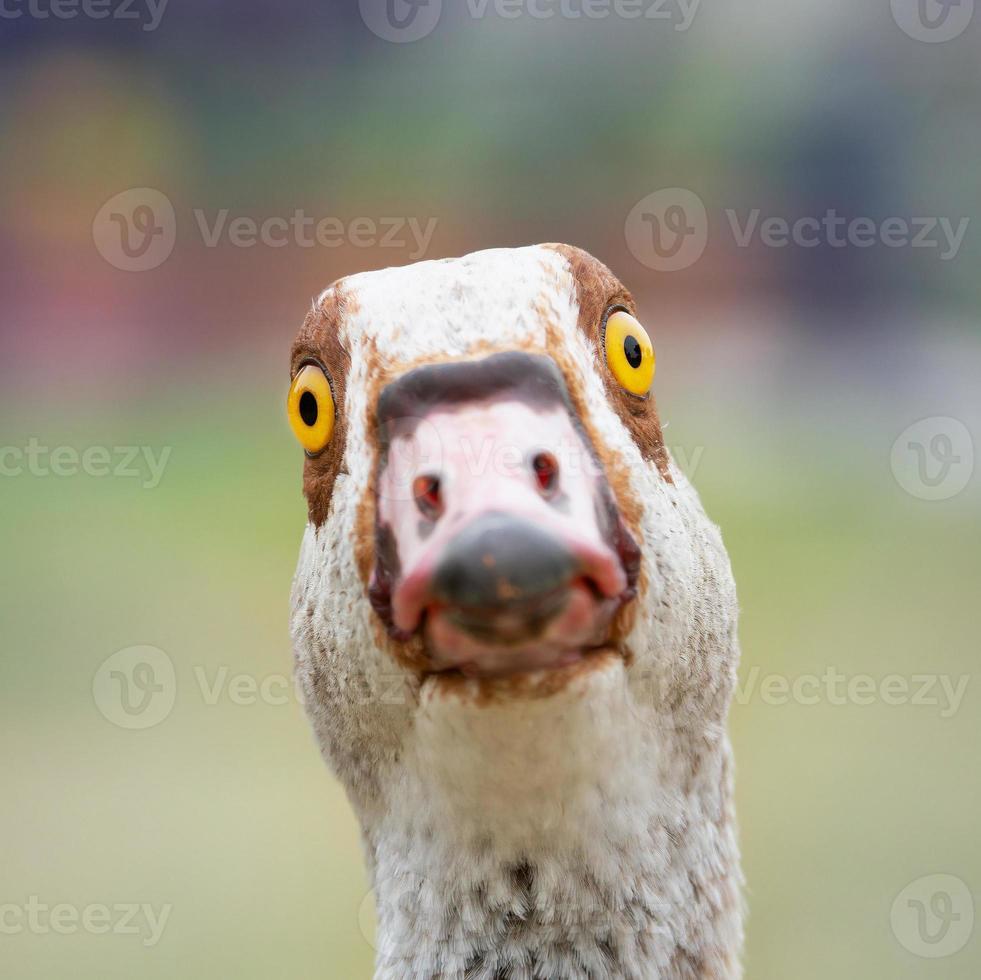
{"x":572,"y":834}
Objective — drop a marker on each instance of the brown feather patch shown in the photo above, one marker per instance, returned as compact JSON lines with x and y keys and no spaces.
{"x":319,"y":340}
{"x":597,"y":289}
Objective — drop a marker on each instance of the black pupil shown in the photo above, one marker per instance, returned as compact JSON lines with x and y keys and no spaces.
{"x":308,"y":408}
{"x":631,"y":348}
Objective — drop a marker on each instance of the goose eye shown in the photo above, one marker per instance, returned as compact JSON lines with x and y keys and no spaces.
{"x":629,"y":352}
{"x":310,"y":407}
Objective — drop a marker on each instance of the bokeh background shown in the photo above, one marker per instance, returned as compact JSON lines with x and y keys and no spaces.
{"x":788,"y":378}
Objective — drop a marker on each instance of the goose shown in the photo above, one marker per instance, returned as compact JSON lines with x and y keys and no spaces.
{"x":514,"y":626}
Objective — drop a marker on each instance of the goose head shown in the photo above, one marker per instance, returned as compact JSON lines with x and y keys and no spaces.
{"x":514,"y":626}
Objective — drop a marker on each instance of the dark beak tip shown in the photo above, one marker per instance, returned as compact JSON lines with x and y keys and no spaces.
{"x":499,"y":560}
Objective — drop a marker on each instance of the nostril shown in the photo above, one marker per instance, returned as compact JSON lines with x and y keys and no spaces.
{"x":546,"y":468}
{"x":592,"y":587}
{"x":428,"y":495}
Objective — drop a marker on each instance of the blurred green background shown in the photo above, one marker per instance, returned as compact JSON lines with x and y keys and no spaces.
{"x":787,"y":379}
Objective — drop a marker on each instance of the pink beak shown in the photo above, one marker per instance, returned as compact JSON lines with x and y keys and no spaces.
{"x":498,"y":535}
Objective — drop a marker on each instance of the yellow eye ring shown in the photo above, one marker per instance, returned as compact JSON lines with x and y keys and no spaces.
{"x":310,"y":407}
{"x":629,"y":352}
